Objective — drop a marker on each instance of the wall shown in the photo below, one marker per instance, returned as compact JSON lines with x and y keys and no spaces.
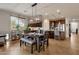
{"x":67,"y":27}
{"x":45,"y":24}
{"x":5,"y":20}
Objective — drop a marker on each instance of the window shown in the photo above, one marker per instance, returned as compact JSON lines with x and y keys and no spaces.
{"x":17,"y":23}
{"x":21,"y":24}
{"x":14,"y":23}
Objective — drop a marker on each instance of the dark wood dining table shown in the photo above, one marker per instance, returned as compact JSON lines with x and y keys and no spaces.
{"x":36,"y":37}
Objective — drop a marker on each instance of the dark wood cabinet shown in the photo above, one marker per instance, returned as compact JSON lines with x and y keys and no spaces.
{"x":51,"y":34}
{"x":35,"y":24}
{"x":60,"y":25}
{"x":57,"y":21}
{"x":62,"y":35}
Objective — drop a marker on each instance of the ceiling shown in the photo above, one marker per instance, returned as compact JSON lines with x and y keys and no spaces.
{"x":66,"y":10}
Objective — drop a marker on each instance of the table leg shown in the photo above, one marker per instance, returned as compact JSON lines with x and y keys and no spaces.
{"x":38,"y":45}
{"x":32,"y":48}
{"x":20,"y":42}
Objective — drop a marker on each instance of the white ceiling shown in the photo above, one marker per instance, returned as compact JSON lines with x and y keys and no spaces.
{"x":67,"y":10}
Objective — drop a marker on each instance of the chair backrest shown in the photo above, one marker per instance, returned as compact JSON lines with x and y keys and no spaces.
{"x":41,"y":38}
{"x":46,"y":35}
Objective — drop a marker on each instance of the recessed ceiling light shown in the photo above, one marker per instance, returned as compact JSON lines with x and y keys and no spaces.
{"x":58,"y":11}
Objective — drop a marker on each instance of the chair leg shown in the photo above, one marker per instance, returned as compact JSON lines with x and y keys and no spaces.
{"x":25,"y":43}
{"x":39,"y":49}
{"x":43,"y":47}
{"x":36,"y":46}
{"x":20,"y":42}
{"x":47,"y":43}
{"x":32,"y":48}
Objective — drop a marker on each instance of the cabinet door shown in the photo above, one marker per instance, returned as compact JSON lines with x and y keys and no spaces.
{"x":62,"y":35}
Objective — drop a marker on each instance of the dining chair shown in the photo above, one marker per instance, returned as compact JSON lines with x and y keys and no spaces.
{"x":28,"y":41}
{"x":41,"y":43}
{"x":46,"y":41}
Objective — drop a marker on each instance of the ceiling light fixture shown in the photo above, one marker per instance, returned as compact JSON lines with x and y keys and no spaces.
{"x":36,"y":14}
{"x":34,"y":4}
{"x":59,"y":14}
{"x":58,"y":11}
{"x":34,"y":17}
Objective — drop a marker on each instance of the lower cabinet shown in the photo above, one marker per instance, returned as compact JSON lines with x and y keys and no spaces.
{"x":51,"y":35}
{"x":62,"y":35}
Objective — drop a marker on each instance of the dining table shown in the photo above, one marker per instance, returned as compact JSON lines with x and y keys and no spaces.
{"x":36,"y":37}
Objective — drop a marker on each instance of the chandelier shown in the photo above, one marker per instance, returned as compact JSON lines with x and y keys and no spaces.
{"x":34,"y":14}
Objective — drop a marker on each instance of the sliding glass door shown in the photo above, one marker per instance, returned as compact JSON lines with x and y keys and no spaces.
{"x":14,"y":23}
{"x":21,"y":24}
{"x":17,"y":23}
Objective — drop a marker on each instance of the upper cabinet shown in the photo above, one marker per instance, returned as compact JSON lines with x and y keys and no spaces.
{"x":35,"y":24}
{"x":57,"y":23}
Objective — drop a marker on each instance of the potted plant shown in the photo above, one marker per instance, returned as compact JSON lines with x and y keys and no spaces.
{"x":27,"y":29}
{"x":17,"y":31}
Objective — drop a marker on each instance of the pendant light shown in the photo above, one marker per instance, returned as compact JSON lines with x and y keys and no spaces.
{"x":34,"y":17}
{"x":36,"y":14}
{"x":31,"y":20}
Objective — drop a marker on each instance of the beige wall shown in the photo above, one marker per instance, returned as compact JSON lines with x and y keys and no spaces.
{"x":5,"y":20}
{"x":45,"y":24}
{"x":67,"y":27}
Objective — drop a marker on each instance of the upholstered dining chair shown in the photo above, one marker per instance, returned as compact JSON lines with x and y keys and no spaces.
{"x":46,"y":41}
{"x":28,"y":41}
{"x":43,"y":41}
